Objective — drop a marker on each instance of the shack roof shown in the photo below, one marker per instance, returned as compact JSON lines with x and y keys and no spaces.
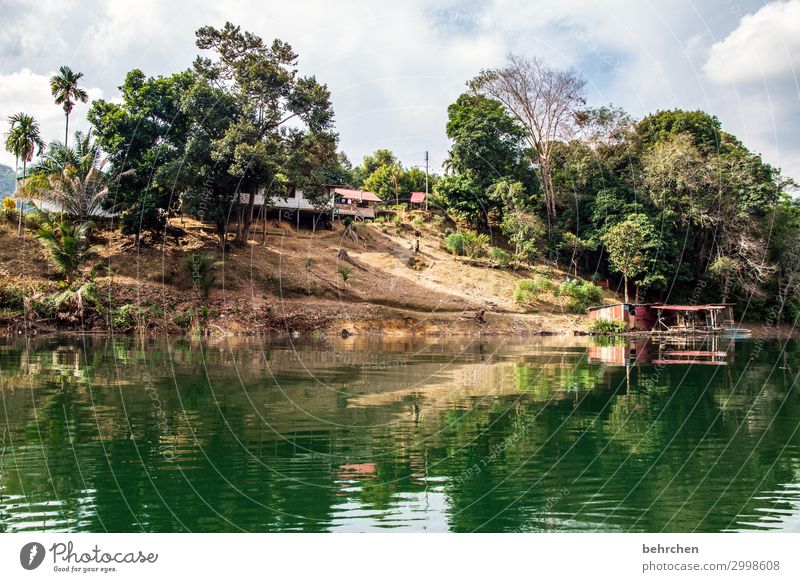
{"x":358,"y":194}
{"x":417,"y":197}
{"x":689,"y":307}
{"x":596,"y":307}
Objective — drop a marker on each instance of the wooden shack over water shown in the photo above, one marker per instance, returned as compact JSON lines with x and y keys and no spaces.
{"x":706,"y":318}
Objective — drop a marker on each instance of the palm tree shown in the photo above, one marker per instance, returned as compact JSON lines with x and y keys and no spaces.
{"x":23,"y":139}
{"x":64,"y":87}
{"x":66,"y":244}
{"x":72,"y":178}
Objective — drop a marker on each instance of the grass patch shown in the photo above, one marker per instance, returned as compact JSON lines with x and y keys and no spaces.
{"x":528,"y":291}
{"x":607,"y":326}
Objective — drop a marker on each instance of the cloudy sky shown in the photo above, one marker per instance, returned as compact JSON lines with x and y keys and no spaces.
{"x":393,"y":67}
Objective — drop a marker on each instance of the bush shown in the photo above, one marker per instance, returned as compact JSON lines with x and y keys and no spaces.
{"x":44,"y":306}
{"x":606,"y":326}
{"x":202,"y":271}
{"x":11,"y":296}
{"x":544,"y":271}
{"x":9,"y":208}
{"x":454,"y":243}
{"x":475,"y":243}
{"x":66,"y":244}
{"x":582,"y":295}
{"x":345,"y":274}
{"x":124,"y":318}
{"x":529,"y":290}
{"x":500,"y":257}
{"x":183,"y":319}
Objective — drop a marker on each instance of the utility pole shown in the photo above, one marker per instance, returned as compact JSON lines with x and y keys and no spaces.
{"x":426,"y":180}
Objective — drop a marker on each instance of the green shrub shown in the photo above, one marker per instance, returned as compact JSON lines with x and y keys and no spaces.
{"x":544,"y":271}
{"x":582,"y":295}
{"x":183,"y":319}
{"x":44,"y":306}
{"x":500,"y":257}
{"x":455,"y":243}
{"x":606,"y":326}
{"x":202,"y":271}
{"x":11,"y":296}
{"x":66,"y":244}
{"x":475,"y":243}
{"x":529,"y":290}
{"x":345,"y":274}
{"x":124,"y":317}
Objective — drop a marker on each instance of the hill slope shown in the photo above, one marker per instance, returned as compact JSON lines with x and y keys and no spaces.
{"x":288,"y":281}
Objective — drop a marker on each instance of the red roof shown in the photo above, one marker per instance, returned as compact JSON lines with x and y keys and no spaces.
{"x":688,"y":307}
{"x":358,"y":194}
{"x":417,"y":197}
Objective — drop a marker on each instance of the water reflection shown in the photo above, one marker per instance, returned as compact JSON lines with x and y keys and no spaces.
{"x":554,"y":433}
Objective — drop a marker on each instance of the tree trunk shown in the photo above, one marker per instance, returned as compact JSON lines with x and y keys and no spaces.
{"x":247,"y":219}
{"x":625,"y":279}
{"x":21,"y":199}
{"x":221,"y":228}
{"x":66,"y":130}
{"x":264,"y":223}
{"x":549,"y":193}
{"x":21,"y":204}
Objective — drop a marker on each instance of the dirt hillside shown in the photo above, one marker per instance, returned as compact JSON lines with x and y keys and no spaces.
{"x":285,"y":280}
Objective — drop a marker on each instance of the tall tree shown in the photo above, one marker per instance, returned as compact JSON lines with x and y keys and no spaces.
{"x":143,"y":135}
{"x":265,"y":82}
{"x":628,"y":243}
{"x":65,"y":90}
{"x":487,"y":150}
{"x":545,"y":101}
{"x":24,"y":140}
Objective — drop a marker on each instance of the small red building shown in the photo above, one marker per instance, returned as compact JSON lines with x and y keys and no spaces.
{"x":617,"y":312}
{"x":419,"y":200}
{"x":656,"y":316}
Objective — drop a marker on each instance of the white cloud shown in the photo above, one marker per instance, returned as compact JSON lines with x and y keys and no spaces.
{"x":28,"y":92}
{"x":393,"y":68}
{"x":765,"y":45}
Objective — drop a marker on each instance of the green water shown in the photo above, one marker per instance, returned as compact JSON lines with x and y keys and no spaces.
{"x":549,"y":434}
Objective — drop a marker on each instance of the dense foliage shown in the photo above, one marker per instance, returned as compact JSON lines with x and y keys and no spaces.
{"x":672,"y":204}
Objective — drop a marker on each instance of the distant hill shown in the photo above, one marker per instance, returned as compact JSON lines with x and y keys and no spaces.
{"x":6,"y":181}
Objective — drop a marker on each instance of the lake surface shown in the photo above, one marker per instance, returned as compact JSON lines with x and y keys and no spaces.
{"x":545,"y":434}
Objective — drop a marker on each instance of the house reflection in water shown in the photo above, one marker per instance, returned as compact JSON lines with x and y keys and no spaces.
{"x":710,"y":350}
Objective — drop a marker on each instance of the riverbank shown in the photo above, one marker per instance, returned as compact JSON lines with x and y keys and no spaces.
{"x":283,"y":281}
